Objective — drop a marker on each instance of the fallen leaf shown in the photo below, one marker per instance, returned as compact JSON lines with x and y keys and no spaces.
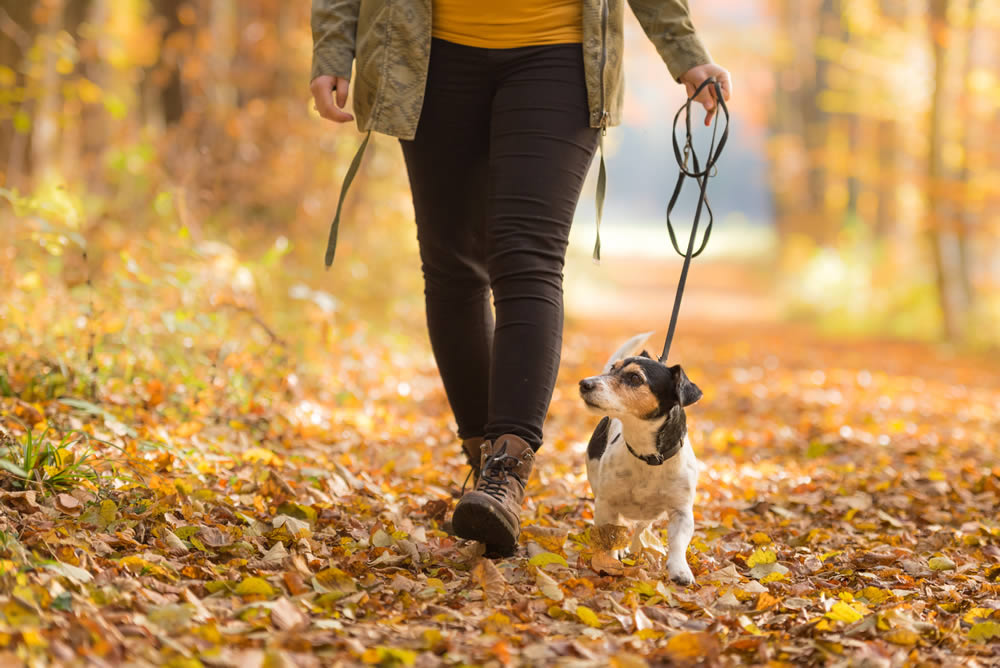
{"x":941,"y":564}
{"x":603,"y":562}
{"x":286,"y":616}
{"x":547,"y":559}
{"x":489,"y":578}
{"x":254,"y":586}
{"x":549,"y":587}
{"x":984,"y":631}
{"x":588,"y":616}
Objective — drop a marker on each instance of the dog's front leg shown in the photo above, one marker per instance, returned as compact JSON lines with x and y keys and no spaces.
{"x":681,"y":529}
{"x":603,"y":516}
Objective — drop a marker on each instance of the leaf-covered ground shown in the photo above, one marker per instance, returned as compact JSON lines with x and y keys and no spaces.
{"x":257,"y":514}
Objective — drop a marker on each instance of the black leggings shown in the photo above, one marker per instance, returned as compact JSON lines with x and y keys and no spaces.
{"x":496,"y":167}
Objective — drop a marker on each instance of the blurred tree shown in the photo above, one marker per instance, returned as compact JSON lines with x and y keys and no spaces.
{"x":945,"y":239}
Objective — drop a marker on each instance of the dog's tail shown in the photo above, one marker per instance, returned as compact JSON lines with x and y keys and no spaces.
{"x":631,"y":347}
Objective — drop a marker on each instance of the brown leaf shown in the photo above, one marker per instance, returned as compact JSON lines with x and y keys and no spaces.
{"x":286,"y":615}
{"x":213,"y":537}
{"x":603,"y":562}
{"x":68,"y":504}
{"x":488,"y":576}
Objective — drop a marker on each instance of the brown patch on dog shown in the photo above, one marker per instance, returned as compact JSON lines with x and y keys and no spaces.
{"x":639,"y":399}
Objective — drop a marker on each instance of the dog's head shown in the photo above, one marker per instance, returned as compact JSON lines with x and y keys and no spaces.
{"x":639,"y":387}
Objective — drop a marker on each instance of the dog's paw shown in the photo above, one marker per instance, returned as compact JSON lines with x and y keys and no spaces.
{"x":681,"y":574}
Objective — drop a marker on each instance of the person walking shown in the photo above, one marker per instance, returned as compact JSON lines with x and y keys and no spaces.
{"x":499,"y":106}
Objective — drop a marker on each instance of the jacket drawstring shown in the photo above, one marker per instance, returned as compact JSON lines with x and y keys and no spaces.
{"x":602,"y":182}
{"x":331,"y":244}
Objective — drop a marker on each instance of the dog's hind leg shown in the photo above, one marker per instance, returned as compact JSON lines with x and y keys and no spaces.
{"x":681,"y":529}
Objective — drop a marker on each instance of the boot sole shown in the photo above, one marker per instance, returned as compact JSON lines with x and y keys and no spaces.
{"x":481,"y":522}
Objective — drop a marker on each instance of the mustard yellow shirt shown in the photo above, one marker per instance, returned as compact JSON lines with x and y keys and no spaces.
{"x":505,"y":24}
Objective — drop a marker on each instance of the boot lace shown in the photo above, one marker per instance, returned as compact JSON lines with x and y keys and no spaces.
{"x":495,"y":471}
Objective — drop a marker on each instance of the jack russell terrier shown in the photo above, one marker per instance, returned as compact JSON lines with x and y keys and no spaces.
{"x":639,"y":461}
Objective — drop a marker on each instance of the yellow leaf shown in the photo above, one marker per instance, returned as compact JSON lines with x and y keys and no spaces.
{"x":140,"y":566}
{"x":254,"y":587}
{"x":336,"y":581}
{"x":774,"y":577}
{"x":545,"y":558}
{"x":497,"y":624}
{"x":845,"y":612}
{"x":588,"y":616}
{"x":941,"y":564}
{"x":765,"y":600}
{"x":874,"y":595}
{"x":984,"y":631}
{"x":688,"y":646}
{"x":628,"y":661}
{"x":903,"y":637}
{"x":648,"y":634}
{"x":761,"y":556}
{"x":760,"y":538}
{"x":549,"y":538}
{"x":389,"y":656}
{"x":32,"y":638}
{"x":977,"y":615}
{"x":261,"y":455}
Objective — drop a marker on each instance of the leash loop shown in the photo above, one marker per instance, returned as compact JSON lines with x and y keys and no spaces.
{"x":701,"y":177}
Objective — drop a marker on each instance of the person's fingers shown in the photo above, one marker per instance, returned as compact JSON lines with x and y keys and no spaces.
{"x":322,"y":90}
{"x":707,"y":99}
{"x":342,"y":87}
{"x":726,"y":83}
{"x":322,"y":96}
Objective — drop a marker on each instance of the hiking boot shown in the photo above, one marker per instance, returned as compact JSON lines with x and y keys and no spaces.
{"x":473,"y":449}
{"x":490,"y":513}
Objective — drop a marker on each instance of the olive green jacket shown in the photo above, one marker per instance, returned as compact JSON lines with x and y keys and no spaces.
{"x":390,"y":40}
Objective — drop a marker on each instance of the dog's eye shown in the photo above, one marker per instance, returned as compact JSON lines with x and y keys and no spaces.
{"x":633,"y":379}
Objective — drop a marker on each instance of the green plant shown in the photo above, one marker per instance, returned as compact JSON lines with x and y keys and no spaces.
{"x":48,"y":461}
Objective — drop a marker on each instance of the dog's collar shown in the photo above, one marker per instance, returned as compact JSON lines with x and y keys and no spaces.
{"x":658,"y":458}
{"x":652,"y":460}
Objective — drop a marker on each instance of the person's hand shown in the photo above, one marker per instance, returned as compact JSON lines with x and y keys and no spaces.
{"x":694,"y":78}
{"x":323,"y":88}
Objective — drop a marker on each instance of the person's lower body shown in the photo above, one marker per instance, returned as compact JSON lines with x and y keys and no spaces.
{"x":500,"y":156}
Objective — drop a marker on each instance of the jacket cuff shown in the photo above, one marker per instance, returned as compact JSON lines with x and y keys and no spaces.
{"x":332,"y":62}
{"x":682,"y":53}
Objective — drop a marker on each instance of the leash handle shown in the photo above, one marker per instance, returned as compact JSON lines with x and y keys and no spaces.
{"x":701,"y":176}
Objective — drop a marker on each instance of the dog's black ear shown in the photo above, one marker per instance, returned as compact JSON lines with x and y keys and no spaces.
{"x":687,"y":392}
{"x":645,"y":353}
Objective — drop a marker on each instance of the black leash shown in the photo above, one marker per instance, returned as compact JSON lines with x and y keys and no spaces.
{"x":701,"y":176}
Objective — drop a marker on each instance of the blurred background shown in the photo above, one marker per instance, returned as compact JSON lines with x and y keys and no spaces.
{"x":162,"y":171}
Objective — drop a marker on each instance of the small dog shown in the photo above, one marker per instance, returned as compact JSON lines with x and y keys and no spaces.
{"x":639,"y":461}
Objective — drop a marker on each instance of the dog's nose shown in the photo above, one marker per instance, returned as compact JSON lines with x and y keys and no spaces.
{"x":587,"y":384}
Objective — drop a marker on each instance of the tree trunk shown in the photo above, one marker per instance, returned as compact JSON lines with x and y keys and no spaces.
{"x":165,"y":77}
{"x":943,"y":241}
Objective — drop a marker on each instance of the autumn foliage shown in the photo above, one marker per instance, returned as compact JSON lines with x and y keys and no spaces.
{"x":213,"y":453}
